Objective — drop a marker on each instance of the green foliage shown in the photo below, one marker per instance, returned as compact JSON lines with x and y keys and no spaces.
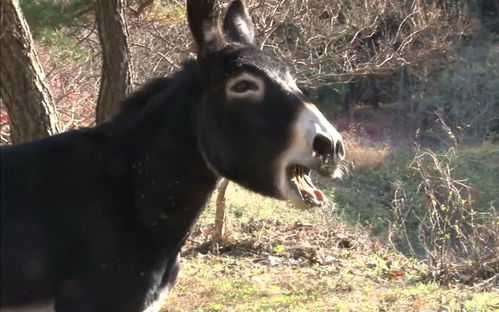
{"x":487,"y":12}
{"x":278,"y":249}
{"x":466,"y":92}
{"x":47,"y":20}
{"x":51,"y":14}
{"x":387,"y":199}
{"x":480,"y":165}
{"x":290,"y":34}
{"x":330,"y":98}
{"x":366,"y":195}
{"x":63,"y":46}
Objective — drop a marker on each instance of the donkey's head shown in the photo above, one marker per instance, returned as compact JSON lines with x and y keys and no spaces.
{"x":255,"y":126}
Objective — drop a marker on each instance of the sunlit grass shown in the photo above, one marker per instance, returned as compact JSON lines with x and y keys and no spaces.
{"x":243,"y":205}
{"x":230,"y":284}
{"x":166,"y":14}
{"x":359,"y":279}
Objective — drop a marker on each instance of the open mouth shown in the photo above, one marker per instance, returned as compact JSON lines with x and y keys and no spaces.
{"x":301,"y":184}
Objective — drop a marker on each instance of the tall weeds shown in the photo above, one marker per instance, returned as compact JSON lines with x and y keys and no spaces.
{"x":460,"y":241}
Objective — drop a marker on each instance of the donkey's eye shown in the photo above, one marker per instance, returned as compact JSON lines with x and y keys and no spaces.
{"x":244,"y":86}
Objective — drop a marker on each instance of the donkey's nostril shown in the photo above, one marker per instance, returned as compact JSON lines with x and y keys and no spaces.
{"x":323,"y":145}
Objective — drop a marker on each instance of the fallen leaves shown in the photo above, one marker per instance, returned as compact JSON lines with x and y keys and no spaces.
{"x":393,"y":274}
{"x":272,"y":243}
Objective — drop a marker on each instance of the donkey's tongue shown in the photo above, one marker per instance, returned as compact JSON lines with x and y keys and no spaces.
{"x":316,"y":195}
{"x":319,"y":195}
{"x":308,"y":189}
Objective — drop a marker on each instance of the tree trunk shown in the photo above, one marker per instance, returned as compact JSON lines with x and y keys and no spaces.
{"x":116,"y":79}
{"x":23,"y":89}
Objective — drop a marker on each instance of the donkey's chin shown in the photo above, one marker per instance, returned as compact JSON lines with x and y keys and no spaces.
{"x":302,"y":192}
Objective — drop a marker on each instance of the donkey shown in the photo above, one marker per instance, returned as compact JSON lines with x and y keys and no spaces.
{"x":94,"y":219}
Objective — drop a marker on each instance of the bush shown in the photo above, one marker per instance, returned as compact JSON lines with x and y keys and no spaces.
{"x":438,"y":207}
{"x":460,"y":241}
{"x":466,"y":92}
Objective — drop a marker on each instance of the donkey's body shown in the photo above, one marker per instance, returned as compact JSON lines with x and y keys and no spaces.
{"x":94,"y":219}
{"x":107,"y":226}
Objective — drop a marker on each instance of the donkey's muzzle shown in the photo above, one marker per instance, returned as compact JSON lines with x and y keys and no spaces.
{"x":315,"y":146}
{"x":330,"y":151}
{"x":328,"y":147}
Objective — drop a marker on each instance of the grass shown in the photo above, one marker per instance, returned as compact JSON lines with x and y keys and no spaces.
{"x":253,"y":287}
{"x":366,"y":276}
{"x":262,"y":269}
{"x":480,"y":165}
{"x":366,"y":196}
{"x":245,"y":205}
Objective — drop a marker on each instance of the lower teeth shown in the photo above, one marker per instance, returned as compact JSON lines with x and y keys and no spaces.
{"x":304,"y":184}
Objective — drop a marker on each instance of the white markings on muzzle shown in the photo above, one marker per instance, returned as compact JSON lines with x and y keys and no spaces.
{"x":308,"y":125}
{"x":321,"y":124}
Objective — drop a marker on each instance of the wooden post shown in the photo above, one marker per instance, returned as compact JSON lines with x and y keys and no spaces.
{"x":220,"y":216}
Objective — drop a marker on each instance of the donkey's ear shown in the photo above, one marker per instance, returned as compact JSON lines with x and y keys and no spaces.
{"x":237,"y":23}
{"x":205,"y":28}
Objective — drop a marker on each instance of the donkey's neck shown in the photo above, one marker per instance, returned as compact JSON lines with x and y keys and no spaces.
{"x":172,"y":182}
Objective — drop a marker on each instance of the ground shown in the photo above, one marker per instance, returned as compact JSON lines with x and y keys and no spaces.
{"x":277,"y":258}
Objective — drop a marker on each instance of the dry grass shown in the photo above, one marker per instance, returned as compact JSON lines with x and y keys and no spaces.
{"x":359,"y":154}
{"x":276,"y":261}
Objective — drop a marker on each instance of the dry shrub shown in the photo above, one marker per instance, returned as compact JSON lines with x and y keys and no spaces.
{"x":324,"y":41}
{"x":362,"y":154}
{"x":159,"y":41}
{"x":339,"y":40}
{"x":74,"y":82}
{"x":461,"y":243}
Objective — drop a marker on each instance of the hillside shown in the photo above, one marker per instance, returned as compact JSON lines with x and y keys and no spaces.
{"x":277,"y":258}
{"x":340,"y":258}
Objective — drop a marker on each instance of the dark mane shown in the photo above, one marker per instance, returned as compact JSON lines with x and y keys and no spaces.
{"x":140,"y":97}
{"x":155,"y":87}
